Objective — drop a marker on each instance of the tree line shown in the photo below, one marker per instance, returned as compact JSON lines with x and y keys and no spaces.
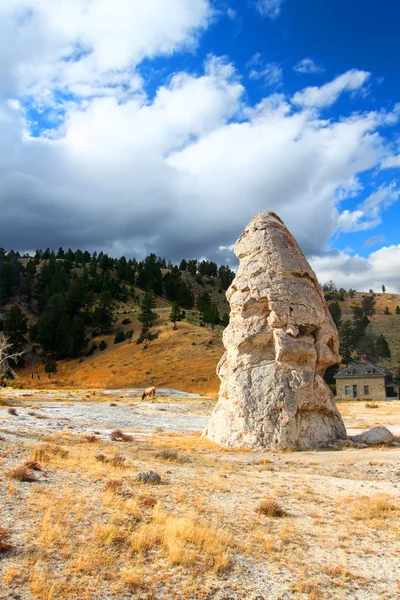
{"x":68,"y":293}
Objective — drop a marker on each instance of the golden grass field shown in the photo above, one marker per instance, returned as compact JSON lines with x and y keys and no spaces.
{"x":223,"y":524}
{"x":182,"y":359}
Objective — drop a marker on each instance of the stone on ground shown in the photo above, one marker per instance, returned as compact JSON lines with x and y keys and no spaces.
{"x":374,"y":436}
{"x":280,"y":340}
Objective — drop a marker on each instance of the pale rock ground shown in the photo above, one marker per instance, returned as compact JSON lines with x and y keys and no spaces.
{"x":279,"y":342}
{"x":328,"y":546}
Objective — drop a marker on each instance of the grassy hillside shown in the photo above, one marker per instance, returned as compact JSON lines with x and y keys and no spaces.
{"x":184,"y":359}
{"x":388,"y":325}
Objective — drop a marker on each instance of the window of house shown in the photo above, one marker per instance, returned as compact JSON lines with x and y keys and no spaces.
{"x":347,"y":390}
{"x":366,"y":389}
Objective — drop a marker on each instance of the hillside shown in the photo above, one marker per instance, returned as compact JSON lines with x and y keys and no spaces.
{"x":185,"y":358}
{"x":387,"y":325}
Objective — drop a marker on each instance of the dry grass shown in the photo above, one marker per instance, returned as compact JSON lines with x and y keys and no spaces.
{"x":371,"y":405}
{"x":89,"y":530}
{"x":169,"y":455}
{"x":21,"y":473}
{"x":271,"y":508}
{"x":379,"y":506}
{"x":119,"y":436}
{"x":4,"y":537}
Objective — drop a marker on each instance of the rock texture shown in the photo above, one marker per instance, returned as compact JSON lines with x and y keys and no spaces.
{"x":374,"y":436}
{"x":279,"y":342}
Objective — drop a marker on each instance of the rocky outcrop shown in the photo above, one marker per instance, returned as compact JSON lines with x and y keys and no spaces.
{"x":279,"y":342}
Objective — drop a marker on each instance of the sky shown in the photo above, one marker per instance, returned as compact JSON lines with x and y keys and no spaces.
{"x":135,"y":127}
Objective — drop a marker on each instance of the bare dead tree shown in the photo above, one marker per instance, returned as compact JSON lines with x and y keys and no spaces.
{"x":7,"y":357}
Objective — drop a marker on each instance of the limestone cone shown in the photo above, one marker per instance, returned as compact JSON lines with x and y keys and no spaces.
{"x":279,"y":342}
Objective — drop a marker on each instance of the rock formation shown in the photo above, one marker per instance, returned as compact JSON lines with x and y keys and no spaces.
{"x":279,"y":342}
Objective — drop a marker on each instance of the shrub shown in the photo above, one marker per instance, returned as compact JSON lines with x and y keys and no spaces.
{"x":126,"y":322}
{"x":102,"y":345}
{"x":119,"y":436}
{"x":93,"y":347}
{"x":371,"y":405}
{"x":4,"y":535}
{"x":95,"y":333}
{"x":22,"y":473}
{"x":270,"y":508}
{"x":13,"y":411}
{"x":119,"y":337}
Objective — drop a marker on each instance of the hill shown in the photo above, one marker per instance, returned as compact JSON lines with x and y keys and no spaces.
{"x":185,"y":358}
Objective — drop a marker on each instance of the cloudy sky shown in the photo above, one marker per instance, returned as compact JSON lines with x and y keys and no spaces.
{"x":161,"y":126}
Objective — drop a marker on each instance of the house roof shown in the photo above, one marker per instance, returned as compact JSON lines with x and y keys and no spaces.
{"x":362,"y":369}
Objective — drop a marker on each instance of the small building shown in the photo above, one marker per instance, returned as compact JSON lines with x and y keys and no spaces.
{"x":364,"y":380}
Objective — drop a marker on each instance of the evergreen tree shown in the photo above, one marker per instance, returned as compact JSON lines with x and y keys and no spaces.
{"x":183,"y":265}
{"x":176,"y":314}
{"x":387,"y":311}
{"x":50,"y":366}
{"x":211,"y":315}
{"x":382,"y":347}
{"x":15,"y":328}
{"x":203,"y":302}
{"x":147,"y":315}
{"x":397,"y":310}
{"x":336,"y":313}
{"x":348,"y":342}
{"x":383,"y":289}
{"x":103,"y":314}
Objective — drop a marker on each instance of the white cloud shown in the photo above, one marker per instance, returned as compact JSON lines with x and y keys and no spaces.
{"x":368,"y":214}
{"x":179,"y":173}
{"x":391,"y":162}
{"x":361,"y":273}
{"x":308,"y":66}
{"x":49,"y":46}
{"x":327,"y":94}
{"x":269,"y":73}
{"x":269,"y":8}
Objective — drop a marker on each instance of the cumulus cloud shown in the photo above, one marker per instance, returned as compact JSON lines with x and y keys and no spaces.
{"x":51,"y":46}
{"x":269,"y":8}
{"x":179,"y":172}
{"x":362,"y":273}
{"x":391,"y":162}
{"x":308,"y":66}
{"x":368,"y":214}
{"x":327,"y":94}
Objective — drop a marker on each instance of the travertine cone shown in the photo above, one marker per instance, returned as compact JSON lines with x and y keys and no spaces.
{"x":279,"y":342}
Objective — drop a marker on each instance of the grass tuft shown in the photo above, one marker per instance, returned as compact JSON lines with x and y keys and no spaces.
{"x":22,"y":473}
{"x":270,"y":508}
{"x":119,"y":436}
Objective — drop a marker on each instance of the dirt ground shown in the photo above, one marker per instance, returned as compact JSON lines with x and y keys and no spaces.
{"x":226,"y":525}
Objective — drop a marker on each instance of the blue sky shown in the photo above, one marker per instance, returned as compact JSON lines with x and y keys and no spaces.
{"x":136,"y":127}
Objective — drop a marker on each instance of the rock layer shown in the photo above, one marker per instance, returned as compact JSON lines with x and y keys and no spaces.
{"x":279,"y":342}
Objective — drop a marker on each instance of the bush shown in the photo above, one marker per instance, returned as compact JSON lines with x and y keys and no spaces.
{"x":126,"y":322}
{"x":119,"y":337}
{"x":102,"y":345}
{"x":95,"y":333}
{"x":92,"y":348}
{"x":270,"y":508}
